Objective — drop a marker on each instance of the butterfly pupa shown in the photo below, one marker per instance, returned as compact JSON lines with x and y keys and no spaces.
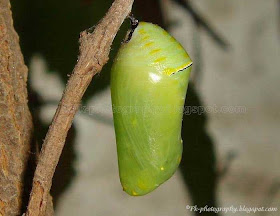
{"x":149,"y":80}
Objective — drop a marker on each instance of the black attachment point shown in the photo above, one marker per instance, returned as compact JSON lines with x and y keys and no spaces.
{"x":134,"y":23}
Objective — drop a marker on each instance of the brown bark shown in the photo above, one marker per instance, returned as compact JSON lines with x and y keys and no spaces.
{"x":15,"y":119}
{"x":94,"y":52}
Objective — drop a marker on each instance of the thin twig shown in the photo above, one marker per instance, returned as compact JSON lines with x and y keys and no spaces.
{"x":94,"y":51}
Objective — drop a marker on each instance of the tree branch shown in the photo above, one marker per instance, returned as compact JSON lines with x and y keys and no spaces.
{"x":15,"y":119}
{"x":94,"y":52}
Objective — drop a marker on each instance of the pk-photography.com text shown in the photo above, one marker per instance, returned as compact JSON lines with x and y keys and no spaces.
{"x":187,"y":110}
{"x":230,"y":209}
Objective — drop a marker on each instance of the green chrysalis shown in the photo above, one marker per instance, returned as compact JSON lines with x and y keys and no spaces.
{"x":149,"y":81}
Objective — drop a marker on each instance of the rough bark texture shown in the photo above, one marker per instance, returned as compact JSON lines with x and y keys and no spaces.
{"x":94,"y":52}
{"x":15,"y":118}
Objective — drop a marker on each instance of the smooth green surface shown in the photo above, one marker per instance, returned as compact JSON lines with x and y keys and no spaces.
{"x":148,"y":85}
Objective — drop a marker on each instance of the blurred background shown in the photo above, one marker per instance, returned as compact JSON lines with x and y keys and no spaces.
{"x":231,"y":145}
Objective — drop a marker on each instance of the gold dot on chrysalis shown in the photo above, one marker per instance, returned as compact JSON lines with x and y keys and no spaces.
{"x":142,"y":31}
{"x":179,"y":159}
{"x":134,"y":193}
{"x":155,"y":51}
{"x":145,"y":38}
{"x":141,"y":185}
{"x":162,"y":168}
{"x":160,"y":59}
{"x":148,"y":44}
